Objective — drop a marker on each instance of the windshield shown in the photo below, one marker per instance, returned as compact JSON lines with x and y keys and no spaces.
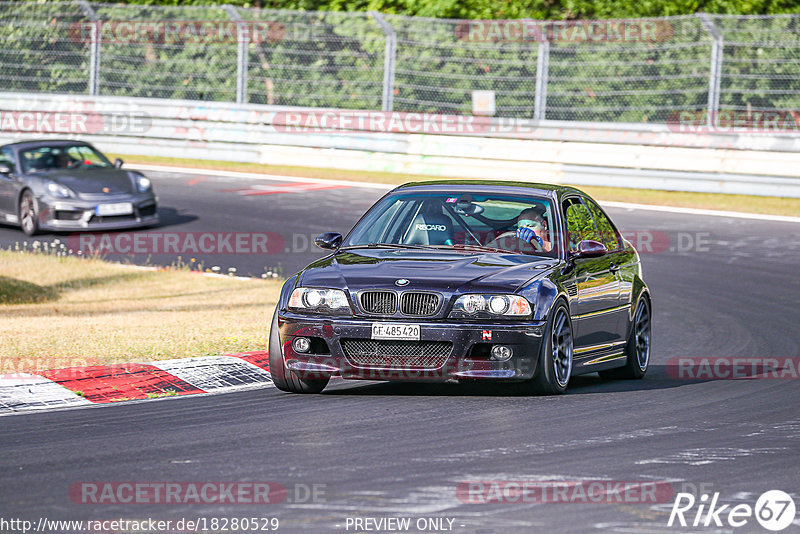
{"x":460,"y":221}
{"x":45,"y":158}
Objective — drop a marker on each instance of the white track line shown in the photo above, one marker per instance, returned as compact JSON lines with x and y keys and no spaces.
{"x":696,"y":211}
{"x":259,"y":176}
{"x":384,"y":187}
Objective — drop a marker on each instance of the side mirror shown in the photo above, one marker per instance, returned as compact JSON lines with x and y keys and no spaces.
{"x":590,"y":249}
{"x":329,"y":240}
{"x":118,"y":163}
{"x":5,"y":169}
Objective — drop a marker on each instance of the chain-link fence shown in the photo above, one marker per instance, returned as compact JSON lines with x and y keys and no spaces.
{"x":439,"y":64}
{"x":644,"y":70}
{"x":36,"y":51}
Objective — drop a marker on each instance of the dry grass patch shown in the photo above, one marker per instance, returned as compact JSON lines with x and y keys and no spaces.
{"x":66,"y":311}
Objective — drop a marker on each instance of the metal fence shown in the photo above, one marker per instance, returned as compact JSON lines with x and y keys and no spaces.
{"x":643,"y":70}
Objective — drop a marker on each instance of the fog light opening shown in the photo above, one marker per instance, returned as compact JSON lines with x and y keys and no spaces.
{"x":502,"y":353}
{"x":301,"y":344}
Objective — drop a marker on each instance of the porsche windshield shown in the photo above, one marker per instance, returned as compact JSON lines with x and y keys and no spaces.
{"x":461,"y":221}
{"x":44,"y":158}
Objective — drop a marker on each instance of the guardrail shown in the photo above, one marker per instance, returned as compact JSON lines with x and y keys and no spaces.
{"x":620,"y":155}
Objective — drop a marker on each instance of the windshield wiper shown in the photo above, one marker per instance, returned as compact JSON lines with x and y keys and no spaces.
{"x":388,"y":245}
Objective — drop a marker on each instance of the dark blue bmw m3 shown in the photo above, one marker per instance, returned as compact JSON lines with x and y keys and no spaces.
{"x":464,"y":281}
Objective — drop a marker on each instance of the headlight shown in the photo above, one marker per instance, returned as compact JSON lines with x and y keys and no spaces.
{"x":319,"y":300}
{"x":143,"y":183}
{"x":491,"y":305}
{"x":59,"y":190}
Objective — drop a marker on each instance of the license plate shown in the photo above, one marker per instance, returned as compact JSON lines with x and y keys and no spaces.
{"x":395,"y":331}
{"x":123,"y":208}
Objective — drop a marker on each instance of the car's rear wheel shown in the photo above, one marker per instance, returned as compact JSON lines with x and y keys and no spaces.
{"x":28,"y":216}
{"x":638,"y":347}
{"x":555,"y":356}
{"x":286,"y":379}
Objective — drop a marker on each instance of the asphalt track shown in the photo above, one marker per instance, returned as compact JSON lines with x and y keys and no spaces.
{"x":722,"y":287}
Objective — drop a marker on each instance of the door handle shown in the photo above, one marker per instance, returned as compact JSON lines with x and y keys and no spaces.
{"x":613,"y":267}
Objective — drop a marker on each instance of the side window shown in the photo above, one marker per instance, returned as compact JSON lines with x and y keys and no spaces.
{"x":580,"y":225}
{"x":7,"y":158}
{"x":607,"y":232}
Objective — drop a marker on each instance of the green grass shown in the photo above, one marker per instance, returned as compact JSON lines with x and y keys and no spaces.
{"x":165,"y":393}
{"x":715,"y":201}
{"x":13,"y":291}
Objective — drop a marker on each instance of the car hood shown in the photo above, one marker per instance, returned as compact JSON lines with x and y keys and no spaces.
{"x":92,"y":181}
{"x":447,"y":272}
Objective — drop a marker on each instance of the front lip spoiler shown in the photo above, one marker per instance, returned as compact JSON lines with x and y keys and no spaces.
{"x":78,"y":226}
{"x":48,"y":204}
{"x":486,"y":373}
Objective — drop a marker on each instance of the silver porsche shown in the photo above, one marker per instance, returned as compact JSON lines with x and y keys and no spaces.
{"x":64,"y":185}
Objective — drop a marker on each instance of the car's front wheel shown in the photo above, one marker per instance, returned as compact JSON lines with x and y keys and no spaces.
{"x":555,"y":356}
{"x":283,"y":378}
{"x":28,"y":216}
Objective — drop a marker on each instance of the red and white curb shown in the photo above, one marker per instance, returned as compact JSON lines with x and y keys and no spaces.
{"x":101,"y":384}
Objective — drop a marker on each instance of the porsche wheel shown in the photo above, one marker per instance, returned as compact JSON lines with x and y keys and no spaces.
{"x":28,"y":216}
{"x":283,"y":378}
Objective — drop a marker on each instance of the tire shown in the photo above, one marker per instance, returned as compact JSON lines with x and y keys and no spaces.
{"x":28,"y":216}
{"x":283,"y":378}
{"x":637,"y":348}
{"x":555,"y":356}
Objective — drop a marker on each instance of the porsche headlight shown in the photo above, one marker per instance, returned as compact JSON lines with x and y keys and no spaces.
{"x":319,"y":300}
{"x":59,"y":190}
{"x":491,"y":305}
{"x":143,"y":183}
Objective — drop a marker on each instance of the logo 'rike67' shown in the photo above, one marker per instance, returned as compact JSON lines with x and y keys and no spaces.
{"x":774,"y":510}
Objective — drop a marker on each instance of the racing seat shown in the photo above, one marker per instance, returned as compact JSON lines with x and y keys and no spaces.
{"x":430,"y":227}
{"x":33,"y":164}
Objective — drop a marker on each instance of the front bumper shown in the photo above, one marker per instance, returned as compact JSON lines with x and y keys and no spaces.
{"x":79,"y":214}
{"x":468,"y":357}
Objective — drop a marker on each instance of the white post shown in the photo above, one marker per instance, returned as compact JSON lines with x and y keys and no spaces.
{"x":242,"y":58}
{"x":389,"y":57}
{"x":716,"y":67}
{"x":94,"y":47}
{"x":542,"y":70}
